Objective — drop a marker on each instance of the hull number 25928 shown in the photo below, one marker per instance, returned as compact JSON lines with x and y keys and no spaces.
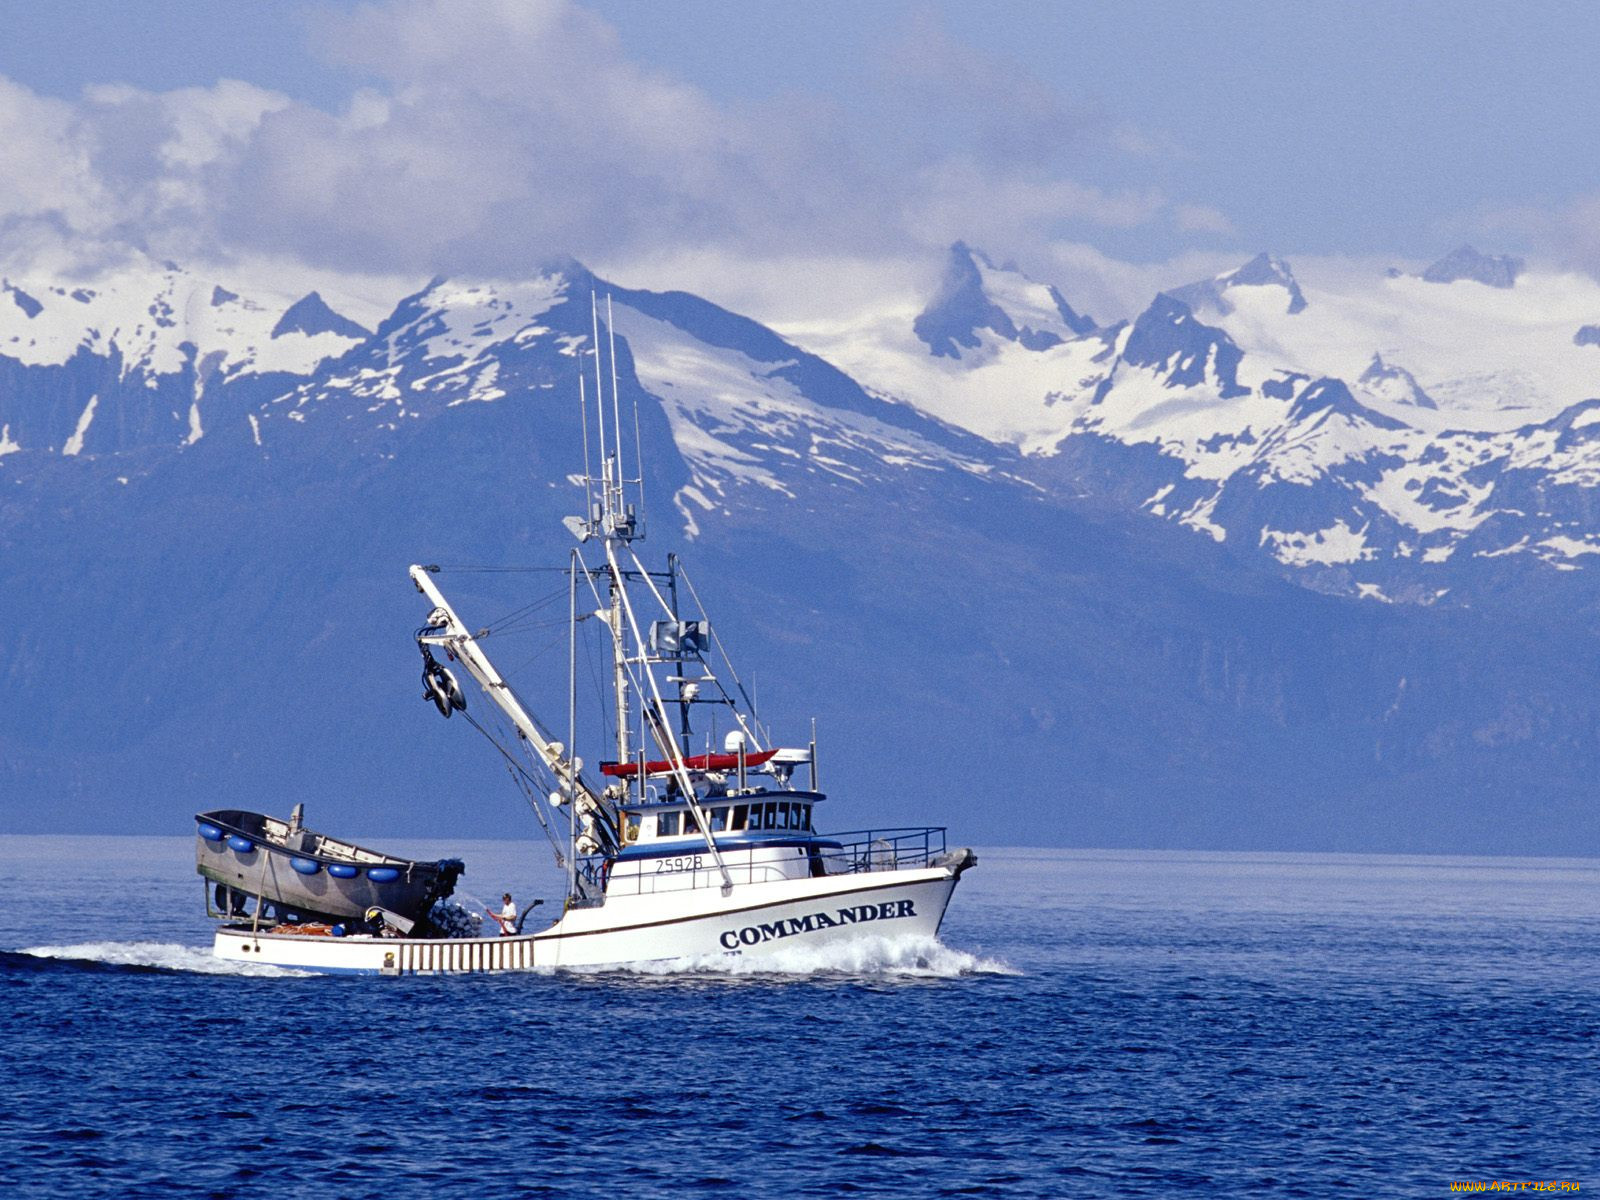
{"x":684,"y":862}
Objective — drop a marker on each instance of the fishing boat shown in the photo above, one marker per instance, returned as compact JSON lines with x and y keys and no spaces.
{"x":677,"y":847}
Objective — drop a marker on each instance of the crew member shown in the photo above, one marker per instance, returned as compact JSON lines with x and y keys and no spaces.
{"x":506,"y":918}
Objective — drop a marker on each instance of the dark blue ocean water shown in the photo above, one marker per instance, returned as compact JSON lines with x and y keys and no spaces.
{"x":1095,"y":1024}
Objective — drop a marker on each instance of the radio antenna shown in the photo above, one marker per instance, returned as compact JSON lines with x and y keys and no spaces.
{"x":606,"y":498}
{"x":638,"y":454}
{"x":588,"y":475}
{"x":616,"y":415}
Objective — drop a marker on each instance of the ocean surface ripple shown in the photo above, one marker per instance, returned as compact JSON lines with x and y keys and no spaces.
{"x":1091,"y":1024}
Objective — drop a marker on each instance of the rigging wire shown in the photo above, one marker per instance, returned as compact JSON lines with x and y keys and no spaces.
{"x":723,"y":650}
{"x":509,"y":621}
{"x":608,"y":733}
{"x":520,"y":774}
{"x":533,"y":803}
{"x":543,"y":650}
{"x":471,"y":569}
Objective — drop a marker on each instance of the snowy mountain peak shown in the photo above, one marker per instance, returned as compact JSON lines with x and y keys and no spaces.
{"x":309,"y":315}
{"x":1264,"y":270}
{"x":1332,"y":396}
{"x":1170,"y":340}
{"x":975,"y":294}
{"x":1495,"y":270}
{"x":1394,"y":384}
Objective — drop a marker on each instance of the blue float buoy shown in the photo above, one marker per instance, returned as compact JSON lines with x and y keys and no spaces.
{"x":306,"y":866}
{"x":343,"y":870}
{"x":382,"y":874}
{"x":242,"y":844}
{"x":210,"y":832}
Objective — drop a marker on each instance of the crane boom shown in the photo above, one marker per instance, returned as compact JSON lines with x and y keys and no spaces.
{"x":452,"y":635}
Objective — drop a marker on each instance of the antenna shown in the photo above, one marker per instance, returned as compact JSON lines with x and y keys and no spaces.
{"x":588,"y":476}
{"x":638,"y":457}
{"x":600,"y":409}
{"x":616,"y":415}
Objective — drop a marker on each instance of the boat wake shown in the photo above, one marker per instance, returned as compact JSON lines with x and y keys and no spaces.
{"x":876,"y":958}
{"x":138,"y":957}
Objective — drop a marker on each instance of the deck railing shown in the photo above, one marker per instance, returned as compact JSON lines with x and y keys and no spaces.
{"x":648,"y":884}
{"x":883,"y":849}
{"x":833,"y":854}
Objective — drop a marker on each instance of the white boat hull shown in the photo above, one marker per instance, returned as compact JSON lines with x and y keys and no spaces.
{"x":753,"y":921}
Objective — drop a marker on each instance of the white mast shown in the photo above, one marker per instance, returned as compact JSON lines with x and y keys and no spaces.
{"x":616,"y":528}
{"x":572,"y":717}
{"x":611,"y":527}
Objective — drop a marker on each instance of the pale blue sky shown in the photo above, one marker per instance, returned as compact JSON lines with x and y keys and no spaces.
{"x":1348,"y":129}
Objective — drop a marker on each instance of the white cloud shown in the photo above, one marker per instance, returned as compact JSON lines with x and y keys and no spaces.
{"x":784,"y":288}
{"x":1567,"y":234}
{"x":48,"y":175}
{"x":1110,"y":289}
{"x":1014,"y":215}
{"x":122,"y":168}
{"x":945,"y":96}
{"x":1200,"y":218}
{"x":492,"y":136}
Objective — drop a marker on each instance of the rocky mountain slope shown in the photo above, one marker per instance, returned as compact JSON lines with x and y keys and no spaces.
{"x":1401,"y":438}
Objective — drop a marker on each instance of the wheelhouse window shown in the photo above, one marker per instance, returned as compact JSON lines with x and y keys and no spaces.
{"x":719,"y":818}
{"x":667,"y":824}
{"x":741,"y":816}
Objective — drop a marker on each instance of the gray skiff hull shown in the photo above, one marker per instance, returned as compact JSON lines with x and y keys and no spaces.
{"x":297,"y":872}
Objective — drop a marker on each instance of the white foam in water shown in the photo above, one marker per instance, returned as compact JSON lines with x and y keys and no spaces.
{"x":165,"y":956}
{"x":862,"y":958}
{"x":873,"y":958}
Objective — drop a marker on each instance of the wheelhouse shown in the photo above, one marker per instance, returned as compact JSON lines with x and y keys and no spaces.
{"x":759,"y":813}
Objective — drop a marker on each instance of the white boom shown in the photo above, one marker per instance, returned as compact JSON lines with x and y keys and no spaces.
{"x":458,"y":639}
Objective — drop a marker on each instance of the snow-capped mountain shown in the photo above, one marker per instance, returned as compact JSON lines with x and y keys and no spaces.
{"x":744,"y":408}
{"x":1262,"y":271}
{"x":1392,"y":385}
{"x":1082,"y":558}
{"x":975,"y":295}
{"x":1395,"y":438}
{"x":1493,"y":270}
{"x":1398,"y":438}
{"x":134,"y":357}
